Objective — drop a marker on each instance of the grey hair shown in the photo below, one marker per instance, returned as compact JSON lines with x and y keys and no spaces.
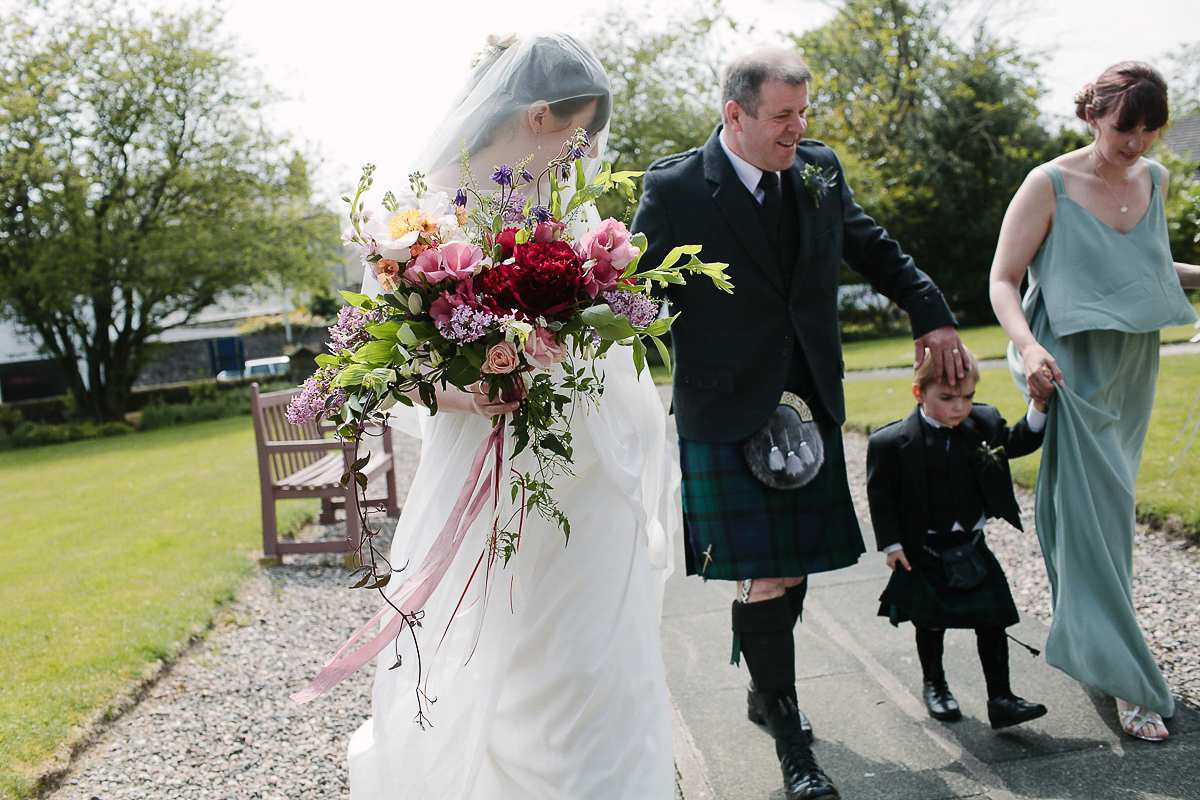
{"x":745,"y":75}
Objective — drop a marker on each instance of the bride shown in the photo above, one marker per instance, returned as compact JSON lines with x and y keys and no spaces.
{"x":550,"y":682}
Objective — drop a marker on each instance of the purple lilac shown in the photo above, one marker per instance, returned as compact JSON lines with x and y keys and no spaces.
{"x":467,"y":324}
{"x":638,"y":308}
{"x":316,"y":398}
{"x":348,"y":332}
{"x":514,"y":208}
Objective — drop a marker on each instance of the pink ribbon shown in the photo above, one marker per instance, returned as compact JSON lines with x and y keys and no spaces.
{"x":414,"y":592}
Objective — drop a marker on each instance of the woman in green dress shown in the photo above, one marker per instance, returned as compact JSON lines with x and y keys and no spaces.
{"x":1089,"y":228}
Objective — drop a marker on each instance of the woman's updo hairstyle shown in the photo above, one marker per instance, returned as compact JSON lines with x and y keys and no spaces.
{"x":554,"y":67}
{"x":1133,"y":90}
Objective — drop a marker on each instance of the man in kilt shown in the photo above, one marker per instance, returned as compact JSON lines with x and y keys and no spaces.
{"x":776,"y":208}
{"x":933,"y":480}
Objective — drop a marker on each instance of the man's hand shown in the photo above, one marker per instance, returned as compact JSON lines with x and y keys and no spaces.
{"x":897,"y":557}
{"x":946,"y":350}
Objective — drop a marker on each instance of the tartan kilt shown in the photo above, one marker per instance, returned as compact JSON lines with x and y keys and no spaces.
{"x":923,"y":596}
{"x":736,"y":528}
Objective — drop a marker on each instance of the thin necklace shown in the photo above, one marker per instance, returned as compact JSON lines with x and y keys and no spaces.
{"x":1096,"y":170}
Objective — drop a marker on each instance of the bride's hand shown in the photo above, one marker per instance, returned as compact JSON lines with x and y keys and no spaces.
{"x":1041,"y":372}
{"x":474,"y":400}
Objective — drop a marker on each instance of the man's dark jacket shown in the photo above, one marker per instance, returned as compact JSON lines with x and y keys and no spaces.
{"x":896,"y":472}
{"x":733,"y":351}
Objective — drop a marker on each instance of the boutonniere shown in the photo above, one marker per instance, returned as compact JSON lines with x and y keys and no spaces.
{"x":990,"y":458}
{"x":819,"y":181}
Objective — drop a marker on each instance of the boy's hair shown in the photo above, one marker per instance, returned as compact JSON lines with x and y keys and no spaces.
{"x":923,"y":375}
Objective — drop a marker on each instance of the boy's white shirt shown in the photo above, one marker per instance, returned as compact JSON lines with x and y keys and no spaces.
{"x":1036,"y":421}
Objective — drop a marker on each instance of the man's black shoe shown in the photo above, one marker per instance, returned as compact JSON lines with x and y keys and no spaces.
{"x":941,"y":703}
{"x":756,"y":711}
{"x":802,"y":778}
{"x":1012,"y":710}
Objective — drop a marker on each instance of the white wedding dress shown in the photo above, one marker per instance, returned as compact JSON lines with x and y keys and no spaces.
{"x":551,"y":687}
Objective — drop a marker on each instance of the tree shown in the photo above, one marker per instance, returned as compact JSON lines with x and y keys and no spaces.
{"x":935,"y":138}
{"x":666,"y":86}
{"x":137,"y":184}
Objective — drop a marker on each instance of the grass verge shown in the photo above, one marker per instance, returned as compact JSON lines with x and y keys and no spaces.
{"x":873,"y":402}
{"x":118,"y":551}
{"x":989,"y":341}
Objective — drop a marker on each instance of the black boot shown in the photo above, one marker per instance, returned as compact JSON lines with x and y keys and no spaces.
{"x":802,"y":777}
{"x":936,"y":693}
{"x":1004,"y":708}
{"x":764,"y":630}
{"x":940,"y":702}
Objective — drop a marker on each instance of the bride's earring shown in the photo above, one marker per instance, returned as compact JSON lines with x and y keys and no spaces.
{"x":539,"y":138}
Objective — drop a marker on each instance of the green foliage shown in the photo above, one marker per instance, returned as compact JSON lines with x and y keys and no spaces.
{"x":137,"y":184}
{"x":666,"y":86}
{"x":117,"y":552}
{"x":1183,"y":206}
{"x":934,"y":138}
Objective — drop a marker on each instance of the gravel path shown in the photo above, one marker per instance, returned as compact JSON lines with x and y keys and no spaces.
{"x":219,"y":723}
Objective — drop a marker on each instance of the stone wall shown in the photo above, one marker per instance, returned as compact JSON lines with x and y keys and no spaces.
{"x":185,"y":361}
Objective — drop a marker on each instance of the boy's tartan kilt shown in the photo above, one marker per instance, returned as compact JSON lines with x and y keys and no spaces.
{"x":923,"y":596}
{"x":736,"y":528}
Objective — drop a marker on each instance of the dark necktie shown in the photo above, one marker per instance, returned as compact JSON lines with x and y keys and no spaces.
{"x":943,"y":434}
{"x":772,"y":205}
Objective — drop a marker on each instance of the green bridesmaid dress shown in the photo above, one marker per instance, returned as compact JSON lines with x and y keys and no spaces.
{"x":1097,"y":299}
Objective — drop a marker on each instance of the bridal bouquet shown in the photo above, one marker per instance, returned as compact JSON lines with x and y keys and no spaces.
{"x":492,"y":299}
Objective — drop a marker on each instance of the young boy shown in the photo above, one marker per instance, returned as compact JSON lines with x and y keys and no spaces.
{"x":933,"y":479}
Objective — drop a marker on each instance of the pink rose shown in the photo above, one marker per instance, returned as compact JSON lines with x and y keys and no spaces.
{"x":547,"y":232}
{"x":456,"y":260}
{"x":501,"y":359}
{"x":541,"y":349}
{"x":610,"y":248}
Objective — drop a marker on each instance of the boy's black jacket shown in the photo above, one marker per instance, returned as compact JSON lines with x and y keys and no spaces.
{"x":896,"y":473}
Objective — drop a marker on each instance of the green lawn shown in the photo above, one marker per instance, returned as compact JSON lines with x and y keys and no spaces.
{"x":116,"y":551}
{"x":987,"y":342}
{"x":875,"y":402}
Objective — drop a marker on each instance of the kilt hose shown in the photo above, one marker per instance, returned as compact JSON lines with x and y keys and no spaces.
{"x":923,"y":596}
{"x":736,"y":528}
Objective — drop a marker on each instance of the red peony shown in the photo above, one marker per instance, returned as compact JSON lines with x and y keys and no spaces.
{"x":549,"y":275}
{"x":542,"y":280}
{"x":494,"y":289}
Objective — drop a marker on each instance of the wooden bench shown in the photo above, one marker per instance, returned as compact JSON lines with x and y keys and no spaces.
{"x":300,"y":461}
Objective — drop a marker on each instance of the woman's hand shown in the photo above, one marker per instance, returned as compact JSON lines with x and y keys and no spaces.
{"x":897,"y":557}
{"x":1042,"y":374}
{"x":474,"y":400}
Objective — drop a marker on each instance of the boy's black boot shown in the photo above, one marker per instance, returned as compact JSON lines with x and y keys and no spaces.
{"x":1004,"y":708}
{"x":936,"y":693}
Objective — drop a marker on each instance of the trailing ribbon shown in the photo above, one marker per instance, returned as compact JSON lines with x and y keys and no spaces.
{"x":414,"y":592}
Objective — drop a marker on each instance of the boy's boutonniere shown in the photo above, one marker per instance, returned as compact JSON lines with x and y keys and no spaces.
{"x":819,"y":181}
{"x":990,"y":457}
